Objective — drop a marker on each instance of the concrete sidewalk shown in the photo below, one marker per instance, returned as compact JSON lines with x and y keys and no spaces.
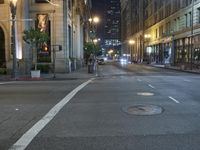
{"x":197,"y":71}
{"x":78,"y":74}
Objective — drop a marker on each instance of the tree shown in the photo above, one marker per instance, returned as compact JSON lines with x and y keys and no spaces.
{"x":36,"y":39}
{"x":90,"y":48}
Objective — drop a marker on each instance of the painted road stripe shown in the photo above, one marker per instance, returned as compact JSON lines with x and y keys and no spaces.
{"x":151,"y":86}
{"x":139,"y":80}
{"x":25,"y":140}
{"x":176,"y":101}
{"x":186,"y":80}
{"x":3,"y":83}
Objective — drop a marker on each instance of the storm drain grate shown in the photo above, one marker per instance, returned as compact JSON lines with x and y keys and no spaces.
{"x":143,"y":110}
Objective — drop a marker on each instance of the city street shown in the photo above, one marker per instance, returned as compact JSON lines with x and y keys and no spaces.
{"x":134,"y":107}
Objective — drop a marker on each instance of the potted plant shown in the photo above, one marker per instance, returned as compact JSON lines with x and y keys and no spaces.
{"x":35,"y":38}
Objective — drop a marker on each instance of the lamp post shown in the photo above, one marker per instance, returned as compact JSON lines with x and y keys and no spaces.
{"x":93,"y":66}
{"x":13,"y":7}
{"x":93,"y":22}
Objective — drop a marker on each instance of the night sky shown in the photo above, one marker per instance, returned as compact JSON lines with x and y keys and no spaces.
{"x":98,"y":6}
{"x":98,"y":9}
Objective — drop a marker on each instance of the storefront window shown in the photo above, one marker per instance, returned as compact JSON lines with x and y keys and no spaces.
{"x":43,"y":24}
{"x":196,"y":51}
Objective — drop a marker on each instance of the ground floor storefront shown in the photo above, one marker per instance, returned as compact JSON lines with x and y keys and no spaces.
{"x":176,"y":52}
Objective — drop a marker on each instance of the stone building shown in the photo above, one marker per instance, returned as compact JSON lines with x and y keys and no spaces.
{"x":171,"y":32}
{"x":132,"y":28}
{"x":112,"y":36}
{"x":64,"y":21}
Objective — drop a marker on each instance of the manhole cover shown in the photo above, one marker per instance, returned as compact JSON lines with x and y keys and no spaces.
{"x":144,"y":110}
{"x":145,"y":94}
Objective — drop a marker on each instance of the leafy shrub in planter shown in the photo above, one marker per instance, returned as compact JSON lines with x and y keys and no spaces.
{"x":3,"y":71}
{"x":44,"y":68}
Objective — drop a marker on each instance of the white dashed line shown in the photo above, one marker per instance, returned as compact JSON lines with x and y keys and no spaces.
{"x":139,"y":80}
{"x":151,"y":86}
{"x":26,"y":139}
{"x":2,"y":83}
{"x":186,"y":80}
{"x":176,"y":101}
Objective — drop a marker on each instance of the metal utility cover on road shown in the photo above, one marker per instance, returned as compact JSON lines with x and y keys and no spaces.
{"x":143,"y":110}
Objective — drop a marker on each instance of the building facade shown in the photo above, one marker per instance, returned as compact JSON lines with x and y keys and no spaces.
{"x":112,"y":28}
{"x":132,"y":26}
{"x":64,"y":21}
{"x":171,"y":32}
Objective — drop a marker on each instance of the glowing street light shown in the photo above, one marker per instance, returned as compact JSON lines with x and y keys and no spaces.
{"x":93,"y":27}
{"x":13,"y":7}
{"x":131,"y":42}
{"x":95,"y":41}
{"x":94,"y":20}
{"x":110,"y":51}
{"x":147,"y":36}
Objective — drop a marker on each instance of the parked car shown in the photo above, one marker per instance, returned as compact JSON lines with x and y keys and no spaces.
{"x":100,"y":61}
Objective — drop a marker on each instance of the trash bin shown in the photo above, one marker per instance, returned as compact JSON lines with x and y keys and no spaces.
{"x":90,"y":68}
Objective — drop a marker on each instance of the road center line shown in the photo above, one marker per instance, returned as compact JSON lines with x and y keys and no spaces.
{"x":2,"y":83}
{"x":139,"y":80}
{"x":176,"y":101}
{"x":25,"y":140}
{"x":151,"y":86}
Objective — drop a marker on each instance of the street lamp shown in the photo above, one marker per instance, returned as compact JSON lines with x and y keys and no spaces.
{"x":94,"y":20}
{"x":13,"y":7}
{"x":147,"y":36}
{"x":93,"y":23}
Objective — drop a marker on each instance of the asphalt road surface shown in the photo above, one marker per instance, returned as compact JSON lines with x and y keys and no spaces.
{"x":133,"y":107}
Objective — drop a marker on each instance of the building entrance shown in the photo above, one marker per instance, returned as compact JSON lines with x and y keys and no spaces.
{"x":2,"y":49}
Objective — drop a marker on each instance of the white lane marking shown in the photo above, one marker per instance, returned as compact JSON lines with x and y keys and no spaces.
{"x":176,"y":101}
{"x":139,"y":80}
{"x":151,"y":86}
{"x":1,"y":83}
{"x":25,"y":140}
{"x":186,"y":80}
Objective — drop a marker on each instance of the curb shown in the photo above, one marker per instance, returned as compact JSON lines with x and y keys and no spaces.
{"x":187,"y":71}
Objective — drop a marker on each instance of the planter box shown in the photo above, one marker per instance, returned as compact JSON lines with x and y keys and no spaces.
{"x":35,"y":73}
